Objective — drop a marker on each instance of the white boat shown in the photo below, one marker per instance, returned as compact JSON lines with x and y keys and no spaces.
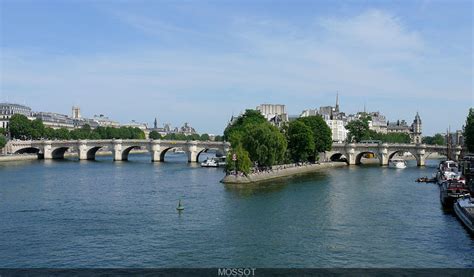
{"x":210,"y":163}
{"x":464,"y":209}
{"x":397,"y":163}
{"x":178,"y":151}
{"x":447,"y":171}
{"x":214,"y":162}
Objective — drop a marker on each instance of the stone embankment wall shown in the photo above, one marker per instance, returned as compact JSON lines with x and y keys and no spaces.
{"x":280,"y":173}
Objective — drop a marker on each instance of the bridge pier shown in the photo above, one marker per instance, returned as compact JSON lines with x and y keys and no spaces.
{"x":117,"y":149}
{"x":155,"y":151}
{"x":47,"y":150}
{"x":421,"y":153}
{"x":192,"y":152}
{"x":351,"y":155}
{"x":383,"y":154}
{"x":82,"y":150}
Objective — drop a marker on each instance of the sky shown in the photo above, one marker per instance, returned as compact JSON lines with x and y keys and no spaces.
{"x":203,"y":61}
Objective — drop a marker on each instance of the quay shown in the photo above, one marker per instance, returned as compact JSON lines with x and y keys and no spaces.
{"x":281,"y":172}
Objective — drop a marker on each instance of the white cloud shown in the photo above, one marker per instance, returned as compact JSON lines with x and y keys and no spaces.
{"x":369,"y":55}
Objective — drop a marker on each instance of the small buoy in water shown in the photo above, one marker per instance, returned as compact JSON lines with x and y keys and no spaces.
{"x":180,"y":207}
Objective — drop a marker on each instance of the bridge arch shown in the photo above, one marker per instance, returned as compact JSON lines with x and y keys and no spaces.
{"x":219,"y":152}
{"x":163,"y":152}
{"x":414,"y":154}
{"x":58,"y":153}
{"x":361,"y":154}
{"x":91,"y":152}
{"x":127,"y":150}
{"x":28,"y":150}
{"x":338,"y":157}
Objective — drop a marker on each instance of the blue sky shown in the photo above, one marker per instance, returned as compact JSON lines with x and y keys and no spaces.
{"x":201,"y":61}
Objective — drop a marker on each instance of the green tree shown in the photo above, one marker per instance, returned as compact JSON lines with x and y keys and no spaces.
{"x":49,"y":133}
{"x":322,"y":134}
{"x":3,"y":141}
{"x":358,"y":130}
{"x":62,"y":134}
{"x":265,"y":144}
{"x":241,"y":124}
{"x":396,"y":138}
{"x":242,"y":162}
{"x":300,"y":141}
{"x":20,"y":127}
{"x":437,"y":139}
{"x":171,"y":136}
{"x":193,"y":137}
{"x":204,"y":137}
{"x":469,"y":131}
{"x":37,"y":129}
{"x":180,"y":136}
{"x":218,"y":138}
{"x":154,"y":135}
{"x":3,"y":131}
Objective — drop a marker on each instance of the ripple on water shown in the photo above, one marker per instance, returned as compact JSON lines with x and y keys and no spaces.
{"x":106,"y":214}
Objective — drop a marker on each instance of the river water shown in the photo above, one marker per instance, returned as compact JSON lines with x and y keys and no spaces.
{"x":123,"y":214}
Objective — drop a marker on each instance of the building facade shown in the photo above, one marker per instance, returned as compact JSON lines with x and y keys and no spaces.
{"x":274,"y":113}
{"x":55,"y":120}
{"x":7,"y":110}
{"x":414,"y":130}
{"x":338,"y":130}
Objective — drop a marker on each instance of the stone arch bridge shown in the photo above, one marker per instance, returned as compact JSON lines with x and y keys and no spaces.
{"x":87,"y":149}
{"x":353,"y":152}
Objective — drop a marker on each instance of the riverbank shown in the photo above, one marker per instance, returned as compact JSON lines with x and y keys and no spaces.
{"x":29,"y":157}
{"x":280,"y":173}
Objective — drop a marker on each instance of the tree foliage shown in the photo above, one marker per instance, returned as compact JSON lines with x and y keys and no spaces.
{"x":237,"y":128}
{"x":20,"y":127}
{"x":358,"y":130}
{"x":300,"y":141}
{"x":437,"y":139}
{"x":242,"y":162}
{"x":3,"y":141}
{"x":322,"y":134}
{"x":154,"y":135}
{"x":264,"y":143}
{"x":469,"y":131}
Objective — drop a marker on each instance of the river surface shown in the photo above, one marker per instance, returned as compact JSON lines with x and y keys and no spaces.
{"x":123,"y":214}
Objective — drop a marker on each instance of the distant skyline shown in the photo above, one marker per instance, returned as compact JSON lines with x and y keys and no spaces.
{"x":202,"y":62}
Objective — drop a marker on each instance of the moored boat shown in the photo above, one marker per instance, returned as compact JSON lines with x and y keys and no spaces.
{"x":464,"y":209}
{"x":447,"y":171}
{"x":450,"y":191}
